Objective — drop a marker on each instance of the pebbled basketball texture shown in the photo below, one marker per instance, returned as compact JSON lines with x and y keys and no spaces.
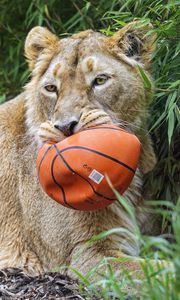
{"x":73,"y":172}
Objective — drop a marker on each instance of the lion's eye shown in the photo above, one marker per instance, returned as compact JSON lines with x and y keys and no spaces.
{"x":51,"y":88}
{"x":99,"y":80}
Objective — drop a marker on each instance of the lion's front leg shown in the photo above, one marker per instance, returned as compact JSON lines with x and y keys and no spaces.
{"x":16,"y":254}
{"x":15,"y":250}
{"x":93,"y":262}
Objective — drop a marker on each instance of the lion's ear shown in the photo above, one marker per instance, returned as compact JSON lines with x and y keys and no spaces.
{"x":135,"y":41}
{"x":37,"y":40}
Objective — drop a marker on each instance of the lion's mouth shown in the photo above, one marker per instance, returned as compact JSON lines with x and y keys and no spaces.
{"x":49,"y":133}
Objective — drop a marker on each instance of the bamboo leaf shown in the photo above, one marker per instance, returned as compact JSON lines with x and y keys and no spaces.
{"x":170,"y":126}
{"x":145,"y":78}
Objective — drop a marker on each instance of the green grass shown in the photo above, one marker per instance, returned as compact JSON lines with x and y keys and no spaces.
{"x":160,"y":282}
{"x":67,"y":17}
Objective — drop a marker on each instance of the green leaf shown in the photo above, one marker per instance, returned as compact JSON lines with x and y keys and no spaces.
{"x":159,"y":121}
{"x":170,"y":100}
{"x":170,"y":126}
{"x":145,"y":78}
{"x":175,"y":84}
{"x":122,"y":23}
{"x":112,"y":231}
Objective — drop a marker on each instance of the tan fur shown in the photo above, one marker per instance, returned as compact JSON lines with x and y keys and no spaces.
{"x":57,"y":70}
{"x":36,"y":233}
{"x":90,"y":65}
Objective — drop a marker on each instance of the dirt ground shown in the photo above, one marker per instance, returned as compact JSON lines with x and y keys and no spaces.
{"x":15,"y":284}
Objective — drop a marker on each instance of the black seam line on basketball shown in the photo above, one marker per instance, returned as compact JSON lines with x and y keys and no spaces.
{"x":69,"y":167}
{"x":57,"y":183}
{"x":43,"y":158}
{"x":100,"y":153}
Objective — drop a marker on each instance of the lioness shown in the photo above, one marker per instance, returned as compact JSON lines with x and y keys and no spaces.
{"x":77,"y":82}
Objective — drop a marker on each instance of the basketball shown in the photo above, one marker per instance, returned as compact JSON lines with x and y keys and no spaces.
{"x":74,"y":171}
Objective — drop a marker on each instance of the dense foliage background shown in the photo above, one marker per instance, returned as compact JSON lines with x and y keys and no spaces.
{"x":65,"y":17}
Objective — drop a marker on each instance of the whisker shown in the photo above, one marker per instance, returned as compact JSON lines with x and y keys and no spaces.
{"x":131,"y":126}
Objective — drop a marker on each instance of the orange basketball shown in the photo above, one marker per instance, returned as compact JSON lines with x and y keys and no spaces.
{"x":73,"y":172}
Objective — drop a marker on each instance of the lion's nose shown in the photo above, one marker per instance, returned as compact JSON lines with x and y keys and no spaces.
{"x":67,"y":126}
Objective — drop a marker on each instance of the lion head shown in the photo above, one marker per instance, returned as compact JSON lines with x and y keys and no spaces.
{"x":88,"y":79}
